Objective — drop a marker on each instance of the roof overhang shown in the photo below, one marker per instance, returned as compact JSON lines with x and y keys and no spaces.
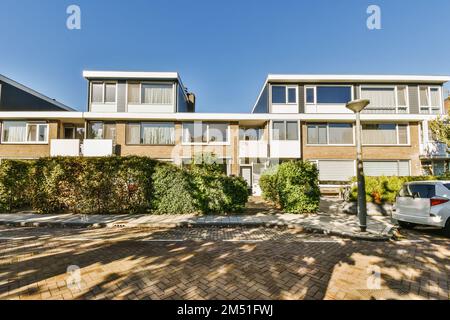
{"x":130,"y":75}
{"x":318,"y":78}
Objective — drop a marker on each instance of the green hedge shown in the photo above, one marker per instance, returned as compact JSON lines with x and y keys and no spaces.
{"x":384,"y":189}
{"x":117,"y":185}
{"x":293,"y":186}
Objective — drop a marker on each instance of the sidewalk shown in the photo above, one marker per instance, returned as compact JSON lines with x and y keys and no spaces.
{"x":378,"y":229}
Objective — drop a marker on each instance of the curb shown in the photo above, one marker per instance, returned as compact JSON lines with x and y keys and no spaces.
{"x":186,"y":224}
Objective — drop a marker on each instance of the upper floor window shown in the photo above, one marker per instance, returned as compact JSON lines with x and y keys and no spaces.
{"x":430,"y":99}
{"x":385,"y":134}
{"x":103,"y":92}
{"x":328,"y":94}
{"x":285,"y":130}
{"x":24,"y":132}
{"x":385,"y":99}
{"x":329,"y":133}
{"x":203,"y":132}
{"x":151,"y":133}
{"x":150,"y":93}
{"x":284,"y":94}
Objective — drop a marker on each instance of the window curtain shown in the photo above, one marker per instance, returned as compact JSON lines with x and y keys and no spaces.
{"x":97,"y":92}
{"x":133,"y":93}
{"x":401,"y":96}
{"x":218,"y":132}
{"x":380,"y":98}
{"x":14,"y":131}
{"x":157,"y":93}
{"x":435,"y":97}
{"x":341,"y":133}
{"x":424,"y":96}
{"x":153,"y":133}
{"x":379,"y":134}
{"x":317,"y":134}
{"x":133,"y":133}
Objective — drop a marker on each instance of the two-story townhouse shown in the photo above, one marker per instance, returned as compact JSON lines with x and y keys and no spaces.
{"x":295,"y":117}
{"x":318,"y":127}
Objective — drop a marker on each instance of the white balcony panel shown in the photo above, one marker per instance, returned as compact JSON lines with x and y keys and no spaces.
{"x":151,"y":108}
{"x":97,"y":148}
{"x":64,"y":148}
{"x":253,"y":149}
{"x":284,"y":108}
{"x":326,"y":108}
{"x":285,"y":149}
{"x":103,"y":107}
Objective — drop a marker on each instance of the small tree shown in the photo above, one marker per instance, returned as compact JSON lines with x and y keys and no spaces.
{"x":441,"y":128}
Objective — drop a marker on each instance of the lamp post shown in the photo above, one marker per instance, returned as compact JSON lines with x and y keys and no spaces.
{"x":357,"y":106}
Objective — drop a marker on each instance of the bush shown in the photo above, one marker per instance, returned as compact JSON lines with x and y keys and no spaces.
{"x":293,"y":186}
{"x":383,"y":189}
{"x":117,"y":185}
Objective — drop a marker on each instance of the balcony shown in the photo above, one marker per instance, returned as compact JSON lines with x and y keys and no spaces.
{"x":88,"y":148}
{"x":253,"y":149}
{"x":285,"y":149}
{"x":434,"y":149}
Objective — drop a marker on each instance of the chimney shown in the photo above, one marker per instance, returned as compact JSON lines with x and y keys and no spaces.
{"x":191,"y":101}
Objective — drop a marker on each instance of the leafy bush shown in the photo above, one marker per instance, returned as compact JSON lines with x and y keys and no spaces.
{"x":117,"y":185}
{"x":383,"y":189}
{"x":293,"y":186}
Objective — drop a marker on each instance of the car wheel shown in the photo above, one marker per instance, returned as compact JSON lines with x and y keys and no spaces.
{"x":405,"y":225}
{"x":447,"y":228}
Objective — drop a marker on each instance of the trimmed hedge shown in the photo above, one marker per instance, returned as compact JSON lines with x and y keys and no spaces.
{"x":293,"y":186}
{"x":384,"y":189}
{"x":117,"y":185}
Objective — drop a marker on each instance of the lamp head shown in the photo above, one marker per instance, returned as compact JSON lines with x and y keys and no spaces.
{"x":357,"y":105}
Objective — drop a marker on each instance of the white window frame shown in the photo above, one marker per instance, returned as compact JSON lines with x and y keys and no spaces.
{"x":328,"y":135}
{"x":395,"y":87}
{"x":207,"y":123}
{"x":408,"y":134}
{"x":141,"y":124}
{"x":287,"y":87}
{"x":39,"y":124}
{"x":141,"y":83}
{"x":103,"y":83}
{"x":429,"y":106}
{"x":314,"y":87}
{"x":285,"y":128}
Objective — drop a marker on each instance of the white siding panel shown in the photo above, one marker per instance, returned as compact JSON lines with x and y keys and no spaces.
{"x":336,"y":170}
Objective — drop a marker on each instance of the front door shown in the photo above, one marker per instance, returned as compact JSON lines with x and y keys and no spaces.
{"x":246,"y":173}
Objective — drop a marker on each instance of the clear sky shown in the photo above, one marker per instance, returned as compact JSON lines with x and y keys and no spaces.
{"x":223,"y":50}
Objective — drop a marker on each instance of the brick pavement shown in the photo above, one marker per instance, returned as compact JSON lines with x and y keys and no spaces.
{"x":217,"y":263}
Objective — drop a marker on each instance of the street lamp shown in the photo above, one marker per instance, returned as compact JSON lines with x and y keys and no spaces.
{"x":357,"y":106}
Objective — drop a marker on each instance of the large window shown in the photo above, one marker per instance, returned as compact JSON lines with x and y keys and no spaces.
{"x":284,"y":94}
{"x":329,"y":133}
{"x":102,"y":130}
{"x":24,"y":132}
{"x":157,"y":93}
{"x":285,"y":130}
{"x":389,"y":99}
{"x":385,"y":134}
{"x":386,"y":168}
{"x":103,"y":92}
{"x":203,"y":132}
{"x":430,"y":99}
{"x":151,"y":133}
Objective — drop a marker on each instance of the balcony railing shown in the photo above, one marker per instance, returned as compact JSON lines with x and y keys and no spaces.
{"x":75,"y":148}
{"x":253,"y":149}
{"x":434,"y":150}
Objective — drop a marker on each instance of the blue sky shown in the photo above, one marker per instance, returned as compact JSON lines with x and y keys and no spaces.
{"x":223,"y":50}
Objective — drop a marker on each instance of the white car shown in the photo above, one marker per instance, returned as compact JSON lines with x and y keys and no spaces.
{"x":424,"y":203}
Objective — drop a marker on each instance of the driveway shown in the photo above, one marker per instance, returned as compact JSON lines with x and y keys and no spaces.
{"x":217,"y":263}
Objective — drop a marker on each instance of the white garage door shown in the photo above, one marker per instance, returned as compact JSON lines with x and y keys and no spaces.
{"x":336,"y":170}
{"x":386,"y":168}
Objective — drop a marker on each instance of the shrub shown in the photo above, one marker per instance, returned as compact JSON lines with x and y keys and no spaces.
{"x":117,"y":185}
{"x":14,"y":185}
{"x":293,"y":186}
{"x":383,"y":189}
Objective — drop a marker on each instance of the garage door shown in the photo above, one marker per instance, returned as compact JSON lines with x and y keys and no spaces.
{"x":386,"y":168}
{"x":336,"y":170}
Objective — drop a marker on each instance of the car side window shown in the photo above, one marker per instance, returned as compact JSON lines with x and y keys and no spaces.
{"x":422,"y":191}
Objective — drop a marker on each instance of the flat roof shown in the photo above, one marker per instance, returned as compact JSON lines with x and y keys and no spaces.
{"x":129,"y":75}
{"x":356,"y":78}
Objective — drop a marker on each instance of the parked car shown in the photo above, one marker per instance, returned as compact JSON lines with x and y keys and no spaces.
{"x":424,"y":203}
